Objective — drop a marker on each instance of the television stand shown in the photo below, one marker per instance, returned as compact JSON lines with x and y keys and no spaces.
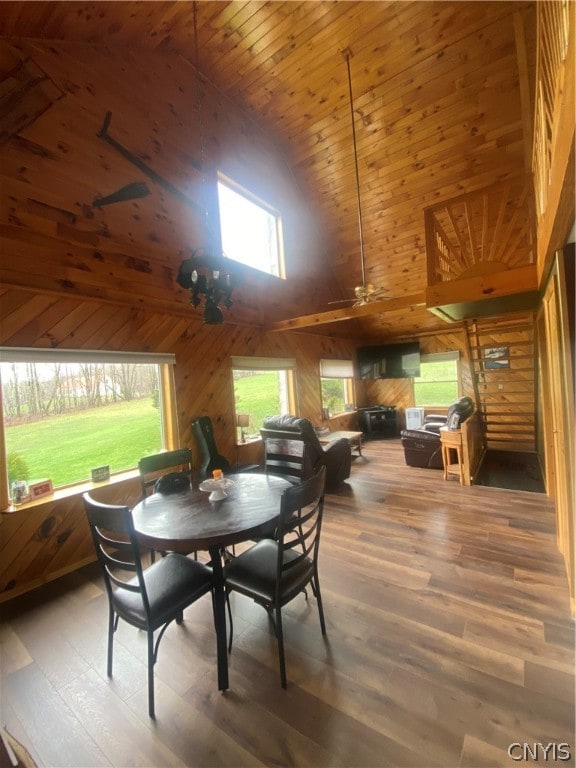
{"x":378,"y":422}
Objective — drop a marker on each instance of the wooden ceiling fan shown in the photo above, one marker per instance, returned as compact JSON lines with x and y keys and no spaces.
{"x":365,"y":293}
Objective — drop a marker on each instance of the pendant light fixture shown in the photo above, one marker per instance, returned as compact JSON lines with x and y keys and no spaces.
{"x":204,"y":274}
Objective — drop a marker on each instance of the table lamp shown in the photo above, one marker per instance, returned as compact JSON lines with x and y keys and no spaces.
{"x":242,"y":421}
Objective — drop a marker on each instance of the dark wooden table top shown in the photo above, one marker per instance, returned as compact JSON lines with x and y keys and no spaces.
{"x":183,"y":522}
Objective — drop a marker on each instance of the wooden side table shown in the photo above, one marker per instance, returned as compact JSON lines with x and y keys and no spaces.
{"x":451,"y":440}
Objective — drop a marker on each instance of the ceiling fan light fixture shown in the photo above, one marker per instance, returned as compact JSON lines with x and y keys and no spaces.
{"x":365,"y":292}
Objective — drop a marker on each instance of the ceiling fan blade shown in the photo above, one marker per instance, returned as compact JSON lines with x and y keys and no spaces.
{"x":378,"y":294}
{"x":342,"y":301}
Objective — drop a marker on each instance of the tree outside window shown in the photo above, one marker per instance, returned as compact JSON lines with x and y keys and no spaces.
{"x":62,"y":419}
{"x":261,"y":389}
{"x":337,"y":386}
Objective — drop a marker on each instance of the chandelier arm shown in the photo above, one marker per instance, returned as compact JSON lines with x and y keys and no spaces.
{"x":347,"y":55}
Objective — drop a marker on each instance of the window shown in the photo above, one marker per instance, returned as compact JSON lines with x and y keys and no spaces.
{"x":438,"y":380}
{"x":251,"y":230}
{"x":66,"y":413}
{"x":337,"y":383}
{"x":263,"y":386}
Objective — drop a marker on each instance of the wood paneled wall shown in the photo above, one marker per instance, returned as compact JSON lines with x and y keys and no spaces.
{"x":506,"y":396}
{"x":556,"y":331}
{"x":77,"y":276}
{"x":400,"y":392}
{"x":553,"y":162}
{"x":54,"y":238}
{"x":44,"y":541}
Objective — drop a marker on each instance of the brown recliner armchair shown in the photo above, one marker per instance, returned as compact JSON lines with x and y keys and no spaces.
{"x":336,"y":456}
{"x":423,"y":446}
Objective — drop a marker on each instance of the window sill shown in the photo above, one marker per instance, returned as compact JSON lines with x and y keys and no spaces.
{"x":335,"y":416}
{"x":72,"y":490}
{"x":249,"y":441}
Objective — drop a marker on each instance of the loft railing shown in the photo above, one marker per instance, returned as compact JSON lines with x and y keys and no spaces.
{"x":486,"y":231}
{"x":553,"y":28}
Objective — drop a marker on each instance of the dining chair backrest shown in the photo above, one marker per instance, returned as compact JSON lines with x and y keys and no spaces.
{"x":285,"y":457}
{"x":147,"y":598}
{"x":152,"y":467}
{"x":299,"y":526}
{"x":116,"y":547}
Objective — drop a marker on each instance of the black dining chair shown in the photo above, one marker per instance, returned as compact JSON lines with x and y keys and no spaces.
{"x":287,"y":458}
{"x":147,"y":598}
{"x":274,"y":571}
{"x":152,"y":468}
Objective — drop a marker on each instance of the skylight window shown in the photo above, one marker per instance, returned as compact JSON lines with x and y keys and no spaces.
{"x":251,"y":230}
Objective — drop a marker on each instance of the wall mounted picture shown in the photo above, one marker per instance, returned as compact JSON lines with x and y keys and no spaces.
{"x":496,"y":358}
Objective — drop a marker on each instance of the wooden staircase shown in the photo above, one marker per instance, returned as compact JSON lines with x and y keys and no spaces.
{"x":502,"y":361}
{"x":480,"y":251}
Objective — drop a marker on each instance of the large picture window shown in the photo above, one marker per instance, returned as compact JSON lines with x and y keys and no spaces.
{"x":251,"y":230}
{"x":263,"y":386}
{"x":66,"y":413}
{"x":438,"y":380}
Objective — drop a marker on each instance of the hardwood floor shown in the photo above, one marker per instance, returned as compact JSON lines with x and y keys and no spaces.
{"x":449,"y":638}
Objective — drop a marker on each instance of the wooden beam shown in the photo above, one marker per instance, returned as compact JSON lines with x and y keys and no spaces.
{"x":481,"y":287}
{"x":351,"y":313}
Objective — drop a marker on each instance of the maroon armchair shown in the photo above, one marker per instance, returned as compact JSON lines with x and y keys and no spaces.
{"x":336,"y":456}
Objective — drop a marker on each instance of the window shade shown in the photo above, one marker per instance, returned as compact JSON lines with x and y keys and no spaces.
{"x":34,"y":355}
{"x":336,"y":369}
{"x":263,"y":363}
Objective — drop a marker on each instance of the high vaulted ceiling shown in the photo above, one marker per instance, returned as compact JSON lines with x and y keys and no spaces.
{"x":442,"y":103}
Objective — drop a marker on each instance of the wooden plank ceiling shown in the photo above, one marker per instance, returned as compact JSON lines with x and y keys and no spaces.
{"x":437,"y":103}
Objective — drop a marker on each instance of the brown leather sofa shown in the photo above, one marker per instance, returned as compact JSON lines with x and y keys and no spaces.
{"x":422,"y":446}
{"x":336,"y":456}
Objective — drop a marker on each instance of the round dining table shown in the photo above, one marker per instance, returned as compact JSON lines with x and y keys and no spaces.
{"x":188,"y":521}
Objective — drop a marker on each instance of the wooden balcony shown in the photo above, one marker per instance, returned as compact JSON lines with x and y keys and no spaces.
{"x":481,"y":254}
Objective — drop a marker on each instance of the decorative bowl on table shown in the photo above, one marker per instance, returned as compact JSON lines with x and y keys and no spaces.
{"x":217,"y":488}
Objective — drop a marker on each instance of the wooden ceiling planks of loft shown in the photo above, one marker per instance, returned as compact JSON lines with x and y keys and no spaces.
{"x":437,"y":101}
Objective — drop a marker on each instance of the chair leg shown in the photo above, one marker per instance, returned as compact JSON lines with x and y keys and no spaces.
{"x":280,"y":638}
{"x":111,"y":629}
{"x":151,"y":660}
{"x":316,"y":585}
{"x":230,"y":620}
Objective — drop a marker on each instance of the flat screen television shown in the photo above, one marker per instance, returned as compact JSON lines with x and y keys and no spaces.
{"x":389,"y":361}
